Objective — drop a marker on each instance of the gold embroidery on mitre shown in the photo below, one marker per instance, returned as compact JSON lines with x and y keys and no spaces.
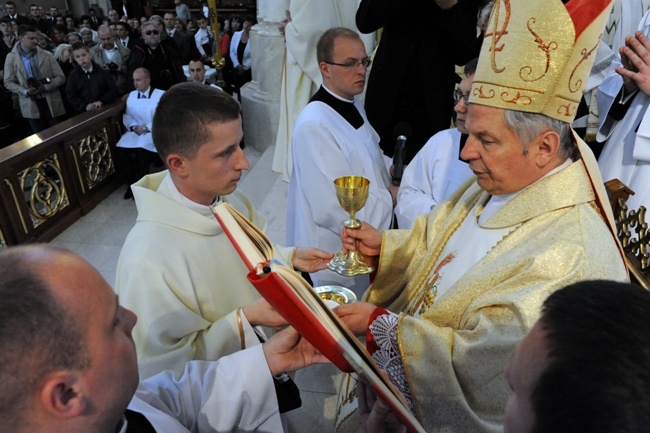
{"x":532,"y":59}
{"x":478,"y":91}
{"x":585,"y":55}
{"x":517,"y":99}
{"x":544,"y":47}
{"x":498,"y":33}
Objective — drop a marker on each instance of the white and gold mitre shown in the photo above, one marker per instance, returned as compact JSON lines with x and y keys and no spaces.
{"x":537,"y":54}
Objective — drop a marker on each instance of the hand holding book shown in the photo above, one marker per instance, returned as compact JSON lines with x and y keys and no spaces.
{"x":356,"y":316}
{"x":301,"y":306}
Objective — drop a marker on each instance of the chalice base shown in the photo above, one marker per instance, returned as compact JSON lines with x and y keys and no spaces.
{"x":349,"y":264}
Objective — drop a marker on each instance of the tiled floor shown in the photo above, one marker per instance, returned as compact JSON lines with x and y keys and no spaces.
{"x":99,"y":235}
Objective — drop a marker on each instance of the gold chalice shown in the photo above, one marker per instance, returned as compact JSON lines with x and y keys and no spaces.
{"x":352,"y":192}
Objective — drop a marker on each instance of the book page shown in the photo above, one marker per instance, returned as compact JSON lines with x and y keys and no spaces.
{"x":250,"y":242}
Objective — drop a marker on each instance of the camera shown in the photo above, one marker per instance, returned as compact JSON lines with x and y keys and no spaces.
{"x":35,"y":84}
{"x":113,"y":67}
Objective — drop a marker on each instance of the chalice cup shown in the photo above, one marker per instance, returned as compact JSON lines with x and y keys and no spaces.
{"x":352,"y":192}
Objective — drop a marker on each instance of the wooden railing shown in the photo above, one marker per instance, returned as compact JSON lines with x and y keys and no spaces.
{"x":49,"y":180}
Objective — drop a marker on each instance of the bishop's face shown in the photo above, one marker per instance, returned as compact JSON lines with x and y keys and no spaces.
{"x":496,"y":154}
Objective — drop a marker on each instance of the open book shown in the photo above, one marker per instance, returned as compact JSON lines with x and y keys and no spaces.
{"x":301,"y":306}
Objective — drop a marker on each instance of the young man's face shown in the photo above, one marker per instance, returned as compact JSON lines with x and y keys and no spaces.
{"x":54,"y":11}
{"x":83,"y":58}
{"x":197,"y":71}
{"x":343,"y":81}
{"x":11,"y":9}
{"x":28,"y":41}
{"x":217,"y":166}
{"x":35,"y":11}
{"x":121,"y":32}
{"x":202,"y":23}
{"x":460,"y":108}
{"x":170,"y":21}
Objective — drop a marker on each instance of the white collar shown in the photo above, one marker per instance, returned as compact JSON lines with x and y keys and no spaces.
{"x":337,"y":96}
{"x":168,"y":188}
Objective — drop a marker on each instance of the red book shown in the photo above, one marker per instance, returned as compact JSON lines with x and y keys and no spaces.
{"x":301,"y":306}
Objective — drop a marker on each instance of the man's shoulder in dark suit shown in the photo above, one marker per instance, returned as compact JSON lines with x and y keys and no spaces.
{"x":186,"y":47}
{"x":133,"y":42}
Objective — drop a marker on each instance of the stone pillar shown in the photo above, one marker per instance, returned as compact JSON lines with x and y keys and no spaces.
{"x":260,"y":98}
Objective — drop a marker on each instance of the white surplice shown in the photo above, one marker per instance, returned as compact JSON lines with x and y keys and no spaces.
{"x":235,"y":393}
{"x":626,"y":154}
{"x":431,"y":177}
{"x":325,"y":146}
{"x":139,"y":111}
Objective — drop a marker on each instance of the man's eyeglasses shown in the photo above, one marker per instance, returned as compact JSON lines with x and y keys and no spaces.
{"x":151,"y":32}
{"x":353,"y":65}
{"x":458,"y":95}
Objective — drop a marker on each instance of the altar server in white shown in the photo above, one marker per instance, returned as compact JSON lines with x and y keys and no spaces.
{"x":138,"y":117}
{"x":333,"y":138}
{"x":623,"y":100}
{"x":437,"y":171}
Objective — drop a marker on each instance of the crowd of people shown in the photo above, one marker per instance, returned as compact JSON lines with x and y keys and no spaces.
{"x":501,"y":302}
{"x":116,"y":45}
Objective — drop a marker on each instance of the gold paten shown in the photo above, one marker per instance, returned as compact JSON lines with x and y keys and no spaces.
{"x":338,"y":294}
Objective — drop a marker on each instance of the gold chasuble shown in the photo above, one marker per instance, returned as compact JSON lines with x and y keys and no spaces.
{"x":454,"y":354}
{"x":558,"y":230}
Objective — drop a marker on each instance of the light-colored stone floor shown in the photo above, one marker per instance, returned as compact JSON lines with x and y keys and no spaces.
{"x":99,"y":235}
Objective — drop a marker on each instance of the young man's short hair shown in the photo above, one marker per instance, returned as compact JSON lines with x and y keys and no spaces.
{"x":184,"y":111}
{"x":325,"y":45}
{"x":24,"y":29}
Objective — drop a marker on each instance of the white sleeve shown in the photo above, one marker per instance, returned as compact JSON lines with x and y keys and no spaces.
{"x":197,"y":42}
{"x":235,"y":393}
{"x":233,"y":49}
{"x":415,"y":195}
